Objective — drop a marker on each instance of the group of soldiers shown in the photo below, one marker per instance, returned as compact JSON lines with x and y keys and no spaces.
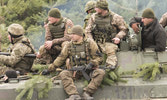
{"x":74,"y":45}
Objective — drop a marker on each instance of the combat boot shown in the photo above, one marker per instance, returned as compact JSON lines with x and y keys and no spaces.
{"x":74,"y":97}
{"x":87,"y":96}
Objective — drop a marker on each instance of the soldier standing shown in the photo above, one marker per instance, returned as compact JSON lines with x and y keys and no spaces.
{"x":89,"y":9}
{"x":106,"y":28}
{"x":152,"y":34}
{"x":163,"y":20}
{"x":55,"y":36}
{"x":20,"y":47}
{"x":81,"y":51}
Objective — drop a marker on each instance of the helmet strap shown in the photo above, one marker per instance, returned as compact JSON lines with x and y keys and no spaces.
{"x":14,"y":36}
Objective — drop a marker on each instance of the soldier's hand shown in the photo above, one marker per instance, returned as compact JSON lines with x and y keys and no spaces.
{"x":51,"y":67}
{"x":135,"y":27}
{"x":110,"y":68}
{"x":45,"y":72}
{"x":90,"y":66}
{"x":38,"y":55}
{"x":48,"y":44}
{"x":116,"y":40}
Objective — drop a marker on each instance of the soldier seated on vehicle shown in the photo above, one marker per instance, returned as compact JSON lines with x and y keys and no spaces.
{"x":89,"y":9}
{"x":107,"y":29}
{"x":55,"y":36}
{"x":20,"y":47}
{"x":81,"y":51}
{"x":153,"y":35}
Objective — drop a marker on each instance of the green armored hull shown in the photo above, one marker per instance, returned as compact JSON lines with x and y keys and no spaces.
{"x":134,"y":89}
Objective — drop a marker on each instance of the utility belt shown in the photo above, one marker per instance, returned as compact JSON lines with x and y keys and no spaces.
{"x":102,"y":37}
{"x":103,"y":40}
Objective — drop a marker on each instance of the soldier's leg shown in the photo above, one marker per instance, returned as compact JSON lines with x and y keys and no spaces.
{"x":111,"y":54}
{"x":45,"y":57}
{"x":96,"y":79}
{"x":103,"y":50}
{"x":4,"y":69}
{"x":54,"y":52}
{"x":68,"y":84}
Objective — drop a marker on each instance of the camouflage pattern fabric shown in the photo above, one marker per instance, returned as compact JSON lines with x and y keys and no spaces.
{"x":116,"y":21}
{"x":109,"y":48}
{"x":70,"y":88}
{"x":16,"y":60}
{"x":48,"y":56}
{"x":65,"y":53}
{"x":67,"y":76}
{"x":86,"y":20}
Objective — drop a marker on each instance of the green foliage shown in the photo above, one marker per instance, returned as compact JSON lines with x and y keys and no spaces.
{"x":128,"y":72}
{"x":28,"y":13}
{"x":25,"y":12}
{"x":86,"y":83}
{"x":32,"y":13}
{"x":112,"y":77}
{"x":148,"y":71}
{"x":40,"y":84}
{"x":4,"y":37}
{"x":39,"y":67}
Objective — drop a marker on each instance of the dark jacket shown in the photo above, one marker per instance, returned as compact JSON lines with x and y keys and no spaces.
{"x":153,"y":35}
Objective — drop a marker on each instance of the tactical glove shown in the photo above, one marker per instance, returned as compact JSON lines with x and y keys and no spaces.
{"x":110,"y":68}
{"x":45,"y":72}
{"x":90,"y":66}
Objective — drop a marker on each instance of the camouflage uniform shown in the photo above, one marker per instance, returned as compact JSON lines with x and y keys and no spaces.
{"x":89,"y":9}
{"x":21,"y":46}
{"x":103,"y":29}
{"x":79,"y":53}
{"x":57,"y":33}
{"x":163,"y":20}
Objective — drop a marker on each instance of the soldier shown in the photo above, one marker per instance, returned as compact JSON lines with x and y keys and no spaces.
{"x":163,"y":20}
{"x":55,"y":36}
{"x":80,"y":51}
{"x":20,"y":47}
{"x":152,"y":34}
{"x":107,"y":29}
{"x":89,"y":9}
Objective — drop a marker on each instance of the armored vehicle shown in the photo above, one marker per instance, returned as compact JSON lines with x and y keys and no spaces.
{"x":129,"y":58}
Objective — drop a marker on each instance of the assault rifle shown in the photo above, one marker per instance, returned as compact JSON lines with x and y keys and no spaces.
{"x":85,"y":67}
{"x":82,"y":69}
{"x":27,"y":55}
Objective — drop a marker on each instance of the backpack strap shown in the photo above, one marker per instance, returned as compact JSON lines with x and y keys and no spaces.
{"x":28,"y":44}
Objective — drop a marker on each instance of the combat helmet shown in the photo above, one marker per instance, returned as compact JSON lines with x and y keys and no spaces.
{"x":102,"y":4}
{"x":16,"y":30}
{"x":90,"y":5}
